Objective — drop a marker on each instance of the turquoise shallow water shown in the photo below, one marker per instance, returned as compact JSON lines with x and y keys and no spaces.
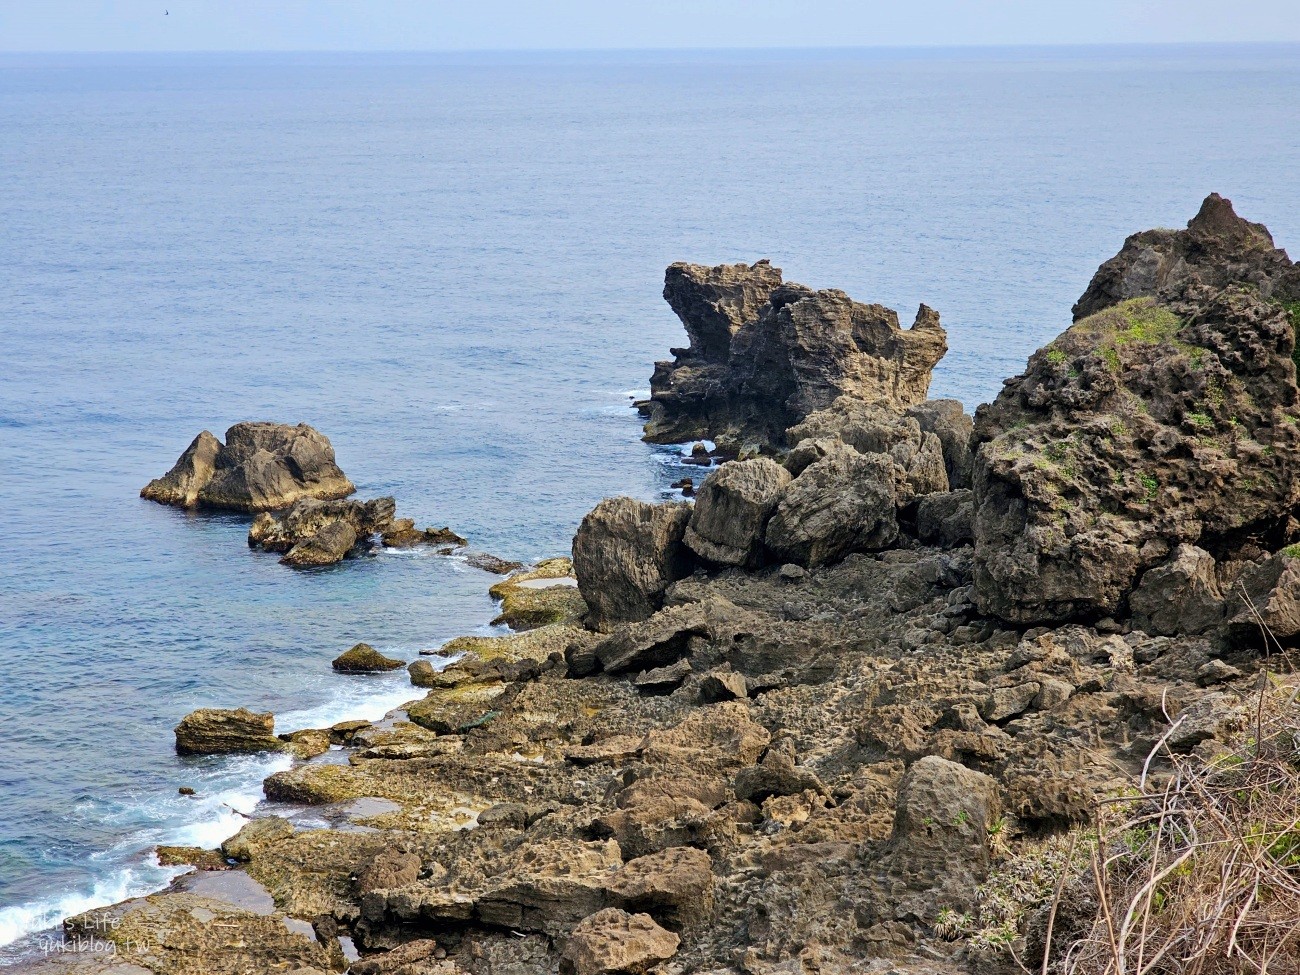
{"x":452,"y":266}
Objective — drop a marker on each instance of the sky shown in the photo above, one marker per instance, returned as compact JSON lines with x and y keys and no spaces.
{"x":441,"y":25}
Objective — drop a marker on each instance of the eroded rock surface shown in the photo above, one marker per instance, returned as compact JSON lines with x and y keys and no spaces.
{"x":764,"y":354}
{"x":1168,"y":418}
{"x":260,"y":467}
{"x":625,"y":554}
{"x":216,"y":731}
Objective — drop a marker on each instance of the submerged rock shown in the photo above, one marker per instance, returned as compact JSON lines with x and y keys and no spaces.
{"x":1168,"y":418}
{"x":215,"y":731}
{"x":402,"y":533}
{"x":764,"y":354}
{"x":625,"y":554}
{"x":261,"y":467}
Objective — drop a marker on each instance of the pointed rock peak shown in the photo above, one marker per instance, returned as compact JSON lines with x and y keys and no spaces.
{"x":926,"y":317}
{"x":1217,"y":218}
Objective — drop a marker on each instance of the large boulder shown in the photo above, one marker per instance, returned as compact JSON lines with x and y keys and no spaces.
{"x":732,"y":508}
{"x":261,"y":467}
{"x":625,"y":554}
{"x":614,"y":942}
{"x":938,"y":853}
{"x":764,"y":354}
{"x":1168,"y":418}
{"x":1181,"y":595}
{"x":216,"y":731}
{"x":191,"y":473}
{"x":316,"y":532}
{"x":875,"y":428}
{"x":365,"y":659}
{"x":842,"y":503}
{"x":948,"y":420}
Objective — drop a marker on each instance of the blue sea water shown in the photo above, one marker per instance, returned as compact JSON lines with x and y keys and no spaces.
{"x":451,"y":265}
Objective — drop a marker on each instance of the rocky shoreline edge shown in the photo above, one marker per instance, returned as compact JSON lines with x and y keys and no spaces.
{"x":864,"y":704}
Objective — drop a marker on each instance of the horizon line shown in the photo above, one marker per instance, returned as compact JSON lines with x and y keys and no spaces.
{"x":665,"y":49}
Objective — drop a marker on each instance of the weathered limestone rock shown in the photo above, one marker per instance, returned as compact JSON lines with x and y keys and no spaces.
{"x":1267,"y":594}
{"x":213,"y":731}
{"x":316,"y":532}
{"x":949,"y":421}
{"x":402,"y":533}
{"x":776,"y":775}
{"x":1150,"y":423}
{"x":875,"y":428}
{"x":186,"y":933}
{"x":261,"y":467}
{"x":938,"y":853}
{"x":843,"y":503}
{"x":946,"y":519}
{"x":731,"y":509}
{"x":329,"y":546}
{"x":1217,"y":249}
{"x":613,"y":942}
{"x":256,"y":835}
{"x":543,"y":595}
{"x":307,"y":743}
{"x":391,"y":869}
{"x":764,"y":355}
{"x":625,"y":554}
{"x":181,"y":485}
{"x":1179,"y":596}
{"x":714,"y":303}
{"x":723,"y":684}
{"x":674,"y":885}
{"x":365,"y":659}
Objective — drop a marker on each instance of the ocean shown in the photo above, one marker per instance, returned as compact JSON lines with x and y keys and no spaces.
{"x":451,"y":265}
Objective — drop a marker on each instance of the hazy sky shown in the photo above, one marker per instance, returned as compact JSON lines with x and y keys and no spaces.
{"x":142,"y":25}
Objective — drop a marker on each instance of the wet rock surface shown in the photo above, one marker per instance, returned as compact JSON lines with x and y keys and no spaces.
{"x":214,"y":731}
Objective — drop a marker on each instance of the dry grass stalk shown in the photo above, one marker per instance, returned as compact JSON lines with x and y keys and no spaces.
{"x":1200,"y":875}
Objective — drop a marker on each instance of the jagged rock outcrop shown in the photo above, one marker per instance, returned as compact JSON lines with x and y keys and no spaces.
{"x":216,"y":731}
{"x":1217,"y":249}
{"x":625,"y":554}
{"x":1168,"y":418}
{"x":316,"y":532}
{"x":852,"y":766}
{"x":261,"y":467}
{"x":764,"y":354}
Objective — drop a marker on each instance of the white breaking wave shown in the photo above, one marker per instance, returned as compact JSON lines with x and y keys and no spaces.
{"x":24,"y":919}
{"x":233,"y":792}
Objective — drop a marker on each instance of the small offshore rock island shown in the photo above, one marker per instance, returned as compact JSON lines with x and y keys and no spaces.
{"x":881,"y":700}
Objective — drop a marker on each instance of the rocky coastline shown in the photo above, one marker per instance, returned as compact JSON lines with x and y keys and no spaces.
{"x":852,"y":709}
